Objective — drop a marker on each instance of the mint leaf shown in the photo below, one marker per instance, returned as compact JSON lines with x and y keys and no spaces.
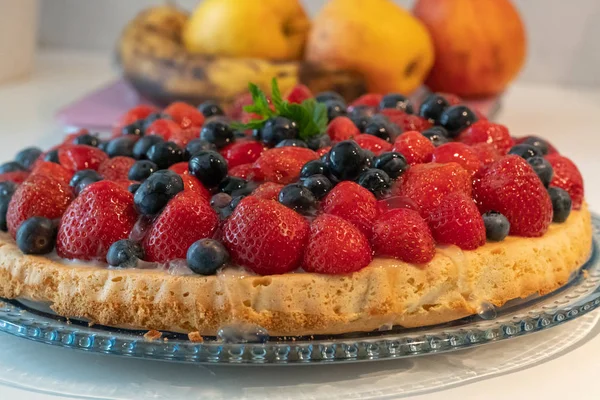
{"x":260,"y":104}
{"x":254,"y":124}
{"x":276,"y":96}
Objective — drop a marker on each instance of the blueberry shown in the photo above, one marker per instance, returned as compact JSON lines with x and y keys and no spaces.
{"x":124,"y":253}
{"x":561,"y":203}
{"x":315,"y":167}
{"x":397,"y":101}
{"x":87,"y":139}
{"x":433,"y":107}
{"x":329,"y":95}
{"x":103,"y":145}
{"x":318,"y":142}
{"x":318,"y":184}
{"x":526,"y":151}
{"x":141,"y":170}
{"x":542,"y":168}
{"x":134,"y":187}
{"x":141,"y":147}
{"x":218,"y":133}
{"x":82,"y":179}
{"x":52,"y":156}
{"x":379,"y":126}
{"x":235,"y":201}
{"x":210,"y":109}
{"x":335,"y":108}
{"x":369,"y":158}
{"x":277,"y":129}
{"x":298,"y":197}
{"x":11,"y":166}
{"x":360,"y":116}
{"x":196,"y":146}
{"x":28,"y":156}
{"x":346,"y":160}
{"x":165,"y":154}
{"x":154,"y":117}
{"x":292,"y":143}
{"x":7,"y":189}
{"x":206,"y":256}
{"x":231,"y":184}
{"x":496,"y":226}
{"x":209,"y":167}
{"x":82,"y":184}
{"x":220,"y":200}
{"x":121,"y":146}
{"x":137,"y":128}
{"x":392,"y":163}
{"x":456,"y":119}
{"x":538,"y":143}
{"x":375,"y":180}
{"x":256,"y":135}
{"x":437,"y":135}
{"x":156,"y":191}
{"x":36,"y":235}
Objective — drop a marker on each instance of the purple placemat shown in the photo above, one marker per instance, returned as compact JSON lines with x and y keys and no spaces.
{"x":101,"y":108}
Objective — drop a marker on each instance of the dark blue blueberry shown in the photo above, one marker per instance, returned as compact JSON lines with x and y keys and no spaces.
{"x":121,"y":146}
{"x":542,"y":168}
{"x":256,"y":135}
{"x":538,"y":143}
{"x":433,"y":107}
{"x":103,"y":145}
{"x":154,"y":117}
{"x":329,"y":95}
{"x":125,"y":253}
{"x":277,"y":129}
{"x":210,"y":109}
{"x":292,"y":143}
{"x":196,"y":146}
{"x":315,"y":167}
{"x":375,"y":180}
{"x":7,"y":189}
{"x":134,"y":187}
{"x":381,"y":127}
{"x":209,"y":167}
{"x":36,"y":235}
{"x":206,"y":256}
{"x":318,"y":142}
{"x":220,"y":200}
{"x":298,"y":197}
{"x":52,"y":156}
{"x":318,"y":184}
{"x":87,"y":139}
{"x":397,"y":101}
{"x":437,"y":135}
{"x":360,"y":116}
{"x":456,"y":119}
{"x":394,"y":164}
{"x":141,"y":147}
{"x":82,"y":179}
{"x":239,"y":135}
{"x":335,"y":108}
{"x":11,"y":166}
{"x":347,"y":160}
{"x":141,"y":170}
{"x":28,"y":156}
{"x":561,"y":204}
{"x":526,"y":151}
{"x":369,"y":157}
{"x":136,"y":128}
{"x":156,"y":191}
{"x":83,"y":183}
{"x":235,"y":201}
{"x":165,"y":154}
{"x":231,"y":184}
{"x":218,"y":133}
{"x":496,"y":226}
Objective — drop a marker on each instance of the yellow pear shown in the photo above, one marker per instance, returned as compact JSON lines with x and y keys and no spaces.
{"x":270,"y":29}
{"x":377,"y":38}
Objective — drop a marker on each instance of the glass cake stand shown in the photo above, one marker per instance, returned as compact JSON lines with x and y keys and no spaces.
{"x":517,"y":318}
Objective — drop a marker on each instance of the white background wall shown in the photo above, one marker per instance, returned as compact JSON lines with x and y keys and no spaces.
{"x":564,"y":36}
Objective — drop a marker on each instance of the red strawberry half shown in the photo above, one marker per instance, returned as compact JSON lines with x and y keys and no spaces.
{"x":76,"y":157}
{"x":116,"y":168}
{"x":342,"y":128}
{"x":416,"y":148}
{"x":567,"y":176}
{"x":353,"y":203}
{"x":282,"y":164}
{"x":459,"y":153}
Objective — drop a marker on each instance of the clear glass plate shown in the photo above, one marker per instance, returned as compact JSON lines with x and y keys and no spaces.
{"x":518,"y":318}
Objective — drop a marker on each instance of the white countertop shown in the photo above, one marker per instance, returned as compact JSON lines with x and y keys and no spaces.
{"x":567,"y":117}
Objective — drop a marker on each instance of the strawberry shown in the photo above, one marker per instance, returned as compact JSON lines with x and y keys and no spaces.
{"x":486,"y":153}
{"x":511,"y":187}
{"x":457,"y":221}
{"x":353,"y":203}
{"x":164,"y":128}
{"x":427,"y":184}
{"x":298,"y":94}
{"x":369,"y":100}
{"x":15,"y":176}
{"x":265,"y":236}
{"x":117,"y":168}
{"x":335,"y":246}
{"x":342,"y":128}
{"x":180,"y":168}
{"x":102,"y":214}
{"x":487,"y":132}
{"x":242,"y":152}
{"x":239,"y":103}
{"x":395,"y":201}
{"x":567,"y":176}
{"x":191,"y":183}
{"x":38,"y":196}
{"x":323,"y":150}
{"x":241,"y":171}
{"x":373,"y":143}
{"x":185,"y":115}
{"x":416,"y":148}
{"x":282,"y":164}
{"x":134,"y":114}
{"x":407,"y":122}
{"x":459,"y":153}
{"x":268,"y":191}
{"x":182,"y":137}
{"x":52,"y":170}
{"x":187,"y":218}
{"x":402,"y":233}
{"x":75,"y":157}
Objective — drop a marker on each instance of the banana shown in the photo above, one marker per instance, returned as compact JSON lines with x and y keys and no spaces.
{"x":153,"y":59}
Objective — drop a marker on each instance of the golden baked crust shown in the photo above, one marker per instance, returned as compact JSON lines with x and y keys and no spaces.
{"x":387,"y":292}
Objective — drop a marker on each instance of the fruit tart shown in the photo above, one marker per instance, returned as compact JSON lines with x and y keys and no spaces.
{"x":295,"y":213}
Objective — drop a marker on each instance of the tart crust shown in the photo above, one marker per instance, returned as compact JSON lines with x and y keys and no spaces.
{"x":387,"y":292}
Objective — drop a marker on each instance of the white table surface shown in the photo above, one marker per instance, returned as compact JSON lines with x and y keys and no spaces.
{"x":568,"y":117}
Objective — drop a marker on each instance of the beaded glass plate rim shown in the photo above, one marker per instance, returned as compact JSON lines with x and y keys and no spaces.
{"x":580,"y":296}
